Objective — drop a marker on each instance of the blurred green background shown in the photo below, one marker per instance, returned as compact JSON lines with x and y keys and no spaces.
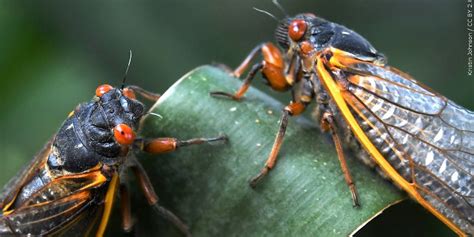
{"x":53,"y":54}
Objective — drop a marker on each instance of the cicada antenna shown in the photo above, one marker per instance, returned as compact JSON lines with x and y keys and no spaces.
{"x":128,"y":67}
{"x":266,"y":13}
{"x":277,"y":4}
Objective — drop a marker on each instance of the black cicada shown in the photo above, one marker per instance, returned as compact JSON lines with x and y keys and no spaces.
{"x":69,"y":187}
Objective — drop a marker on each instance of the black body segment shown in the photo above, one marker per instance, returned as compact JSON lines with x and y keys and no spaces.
{"x":70,"y":178}
{"x":68,"y":189}
{"x":86,"y":138}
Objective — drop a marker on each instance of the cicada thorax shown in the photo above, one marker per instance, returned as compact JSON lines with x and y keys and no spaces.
{"x":87,"y":138}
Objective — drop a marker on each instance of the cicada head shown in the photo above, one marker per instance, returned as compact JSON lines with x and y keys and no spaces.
{"x":98,"y":131}
{"x":115,"y":119}
{"x":307,"y":33}
{"x":292,"y":30}
{"x":281,"y":33}
{"x":110,"y":121}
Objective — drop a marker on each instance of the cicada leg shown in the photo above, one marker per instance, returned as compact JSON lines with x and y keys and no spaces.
{"x":293,"y":109}
{"x":158,"y":146}
{"x":272,"y":67}
{"x":125,"y":208}
{"x":130,"y":91}
{"x":246,"y":63}
{"x":169,"y":144}
{"x":152,"y":198}
{"x":328,"y":125}
{"x":245,"y":86}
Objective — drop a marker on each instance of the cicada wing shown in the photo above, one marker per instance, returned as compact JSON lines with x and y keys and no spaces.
{"x":428,"y":139}
{"x":11,"y":188}
{"x":75,"y":215}
{"x":69,"y":204}
{"x":85,"y":224}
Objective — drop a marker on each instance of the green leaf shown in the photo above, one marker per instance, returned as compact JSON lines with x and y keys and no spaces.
{"x":207,"y":185}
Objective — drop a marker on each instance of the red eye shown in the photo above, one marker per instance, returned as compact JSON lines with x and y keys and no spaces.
{"x":124,"y":134}
{"x":102,"y":89}
{"x":129,"y":93}
{"x":296,"y":29}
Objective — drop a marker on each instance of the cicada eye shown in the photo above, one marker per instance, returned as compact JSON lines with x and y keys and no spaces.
{"x":102,"y":89}
{"x":124,"y":134}
{"x":296,"y":29}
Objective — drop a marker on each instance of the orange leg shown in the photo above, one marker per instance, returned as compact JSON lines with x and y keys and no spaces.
{"x":158,"y":146}
{"x":328,"y":124}
{"x":292,"y":109}
{"x":246,"y":63}
{"x":129,"y":91}
{"x":169,"y":144}
{"x":272,"y":67}
{"x":245,"y":86}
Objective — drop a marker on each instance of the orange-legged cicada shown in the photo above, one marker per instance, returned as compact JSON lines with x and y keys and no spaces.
{"x":69,"y":187}
{"x":418,"y":138}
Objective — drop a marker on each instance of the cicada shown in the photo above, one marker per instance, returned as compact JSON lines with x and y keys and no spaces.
{"x":69,"y":187}
{"x":418,"y":138}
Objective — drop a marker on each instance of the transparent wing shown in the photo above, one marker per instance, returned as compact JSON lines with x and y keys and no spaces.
{"x":428,"y":139}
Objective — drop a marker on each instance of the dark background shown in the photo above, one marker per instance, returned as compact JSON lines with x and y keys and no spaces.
{"x":54,"y":54}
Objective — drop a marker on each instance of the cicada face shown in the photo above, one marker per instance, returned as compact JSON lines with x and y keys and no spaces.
{"x":110,"y":112}
{"x":307,"y":35}
{"x":98,"y":131}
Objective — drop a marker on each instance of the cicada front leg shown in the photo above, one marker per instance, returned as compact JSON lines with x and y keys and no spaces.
{"x":280,"y":77}
{"x":169,"y":144}
{"x":131,"y":91}
{"x":156,"y":146}
{"x":273,"y":68}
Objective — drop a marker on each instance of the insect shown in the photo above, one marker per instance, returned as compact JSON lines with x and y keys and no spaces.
{"x":69,"y":187}
{"x":418,"y":138}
